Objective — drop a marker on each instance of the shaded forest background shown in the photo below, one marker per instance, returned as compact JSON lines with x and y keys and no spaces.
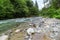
{"x":26,"y":8}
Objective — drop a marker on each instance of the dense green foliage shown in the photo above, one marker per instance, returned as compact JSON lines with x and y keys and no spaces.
{"x":53,"y":11}
{"x":17,"y":8}
{"x":26,"y":8}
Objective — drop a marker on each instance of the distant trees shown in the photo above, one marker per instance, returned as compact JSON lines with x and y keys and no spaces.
{"x":56,"y":4}
{"x":53,"y":11}
{"x":36,"y":4}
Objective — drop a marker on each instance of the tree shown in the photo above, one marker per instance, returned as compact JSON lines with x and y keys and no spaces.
{"x":5,"y":9}
{"x":56,"y":4}
{"x":33,"y":10}
{"x":36,"y":4}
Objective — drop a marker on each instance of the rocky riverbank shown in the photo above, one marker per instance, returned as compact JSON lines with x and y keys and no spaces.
{"x":49,"y":29}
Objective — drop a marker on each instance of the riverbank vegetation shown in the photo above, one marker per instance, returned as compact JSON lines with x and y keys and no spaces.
{"x":17,"y":9}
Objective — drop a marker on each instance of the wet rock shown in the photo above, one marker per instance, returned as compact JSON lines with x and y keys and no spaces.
{"x":3,"y":37}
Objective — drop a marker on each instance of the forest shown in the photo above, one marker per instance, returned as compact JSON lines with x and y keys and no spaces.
{"x":26,"y":8}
